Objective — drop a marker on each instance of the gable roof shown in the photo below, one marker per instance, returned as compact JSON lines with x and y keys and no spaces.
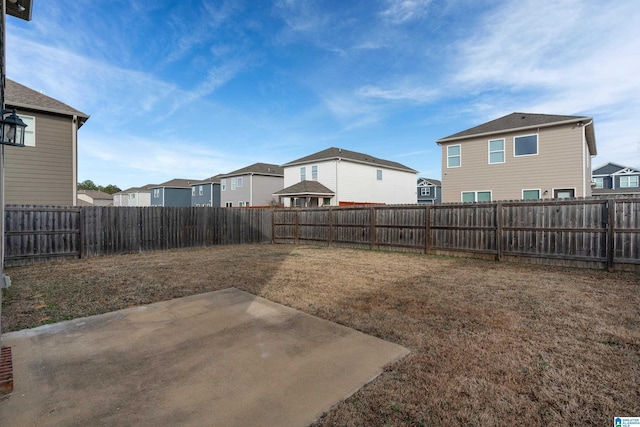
{"x":429,"y":180}
{"x":96,"y":194}
{"x":613,"y":168}
{"x":20,"y":96}
{"x":334,"y":153}
{"x":523,"y":121}
{"x":257,"y":169}
{"x":212,"y":180}
{"x":305,"y":188}
{"x":177,"y":183}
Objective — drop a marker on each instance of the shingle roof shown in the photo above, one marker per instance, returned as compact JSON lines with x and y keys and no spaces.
{"x":522,"y":121}
{"x":213,"y":179}
{"x":433,"y":181}
{"x":514,"y":121}
{"x":334,"y":153}
{"x":177,"y":183}
{"x":96,"y":194}
{"x":20,"y":96}
{"x":257,"y":169}
{"x":305,"y":187}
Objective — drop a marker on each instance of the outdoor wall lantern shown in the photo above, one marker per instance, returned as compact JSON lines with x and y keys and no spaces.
{"x":12,"y":129}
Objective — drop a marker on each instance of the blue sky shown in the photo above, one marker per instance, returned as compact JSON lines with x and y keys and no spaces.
{"x":190,"y":89}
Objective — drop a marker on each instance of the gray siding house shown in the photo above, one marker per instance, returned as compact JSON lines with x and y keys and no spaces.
{"x":429,"y":191}
{"x":45,"y":171}
{"x":253,"y":185}
{"x":176,"y":192}
{"x":613,"y":179}
{"x":206,"y":193}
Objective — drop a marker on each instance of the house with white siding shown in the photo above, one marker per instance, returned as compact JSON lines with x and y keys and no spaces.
{"x":339,"y":177}
{"x":519,"y":156}
{"x":134,"y":196}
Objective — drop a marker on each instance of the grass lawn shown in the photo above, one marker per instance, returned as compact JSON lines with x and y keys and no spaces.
{"x":491,"y":344}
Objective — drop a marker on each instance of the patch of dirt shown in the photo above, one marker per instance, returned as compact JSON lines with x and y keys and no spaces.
{"x":492,"y":344}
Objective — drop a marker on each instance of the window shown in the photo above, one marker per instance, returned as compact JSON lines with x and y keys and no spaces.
{"x":476,"y":196}
{"x":29,"y":131}
{"x":229,"y":204}
{"x":303,"y":173}
{"x":453,"y":156}
{"x":530,"y":194}
{"x":379,"y":174}
{"x":628,"y":181}
{"x":132,"y":196}
{"x":201,"y":190}
{"x":240,"y":180}
{"x":326,"y":201}
{"x":425,"y":191}
{"x":525,"y":145}
{"x":223,"y":184}
{"x":233,"y":184}
{"x":193,"y":191}
{"x":156,"y":193}
{"x":564,"y":193}
{"x":496,"y":151}
{"x":599,"y":182}
{"x":314,"y":173}
{"x":241,"y":204}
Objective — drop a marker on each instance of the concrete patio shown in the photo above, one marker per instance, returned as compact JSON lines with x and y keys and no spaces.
{"x":225,"y":358}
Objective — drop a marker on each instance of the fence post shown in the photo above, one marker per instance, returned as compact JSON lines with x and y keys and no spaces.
{"x":330,"y":226}
{"x":81,"y":232}
{"x":372,"y":228}
{"x":611,"y":218}
{"x":427,"y":230}
{"x":273,"y":226}
{"x":297,"y":233}
{"x":499,"y":224}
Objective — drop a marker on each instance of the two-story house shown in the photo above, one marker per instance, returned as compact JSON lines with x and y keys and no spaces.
{"x":613,"y":179}
{"x":176,"y":192}
{"x":45,"y":170}
{"x":519,"y":156}
{"x":94,"y":198}
{"x":429,"y":191}
{"x":253,"y":185}
{"x":335,"y":177}
{"x":206,"y":193}
{"x":134,"y":196}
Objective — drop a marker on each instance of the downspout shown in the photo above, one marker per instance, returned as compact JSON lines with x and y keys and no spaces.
{"x":584,"y":158}
{"x":74,"y":148}
{"x":337,"y":180}
{"x":251,"y":189}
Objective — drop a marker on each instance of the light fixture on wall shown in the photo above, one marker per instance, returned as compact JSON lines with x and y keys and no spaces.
{"x":12,"y":129}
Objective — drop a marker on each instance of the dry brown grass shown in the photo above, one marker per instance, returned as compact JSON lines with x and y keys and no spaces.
{"x":492,"y":344}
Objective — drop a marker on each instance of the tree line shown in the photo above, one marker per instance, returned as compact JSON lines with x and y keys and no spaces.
{"x":90,"y":185}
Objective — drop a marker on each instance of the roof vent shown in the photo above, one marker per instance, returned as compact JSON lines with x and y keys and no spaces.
{"x":523,"y":117}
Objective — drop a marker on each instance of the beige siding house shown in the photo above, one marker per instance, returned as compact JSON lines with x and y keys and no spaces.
{"x":519,"y":156}
{"x":45,"y":171}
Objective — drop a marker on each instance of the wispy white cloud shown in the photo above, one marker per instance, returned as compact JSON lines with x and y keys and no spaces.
{"x":401,"y":11}
{"x":417,"y":94}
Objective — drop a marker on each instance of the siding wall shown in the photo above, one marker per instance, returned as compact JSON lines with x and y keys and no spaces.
{"x":358,"y":183}
{"x":559,"y":164}
{"x":264,"y":187}
{"x":43,"y":174}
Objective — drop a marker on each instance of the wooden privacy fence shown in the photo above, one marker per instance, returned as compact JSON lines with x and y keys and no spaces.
{"x":44,"y":233}
{"x":595,"y":233}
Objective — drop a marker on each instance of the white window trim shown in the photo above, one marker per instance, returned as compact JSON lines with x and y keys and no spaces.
{"x":201,"y":190}
{"x":30,"y":129}
{"x":553,"y":191}
{"x":233,"y":184}
{"x":223,"y":185}
{"x":533,"y":189}
{"x":503,"y":151}
{"x":459,"y":156}
{"x":475,"y":196}
{"x":601,"y":178}
{"x":522,"y":136}
{"x":630,"y":176}
{"x":193,"y":191}
{"x":239,"y":182}
{"x":314,"y":172}
{"x":378,"y":174}
{"x":303,"y":173}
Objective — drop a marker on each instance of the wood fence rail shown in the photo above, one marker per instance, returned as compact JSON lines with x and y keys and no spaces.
{"x":594,"y":233}
{"x":46,"y":233}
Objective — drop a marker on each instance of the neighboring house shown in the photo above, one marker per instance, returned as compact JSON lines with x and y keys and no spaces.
{"x":251,"y":186}
{"x":335,"y":177}
{"x":94,"y":198}
{"x":519,"y":156}
{"x":613,"y":179}
{"x":176,"y":192}
{"x":45,"y":171}
{"x":429,"y":191}
{"x":134,"y":196}
{"x":206,"y":193}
